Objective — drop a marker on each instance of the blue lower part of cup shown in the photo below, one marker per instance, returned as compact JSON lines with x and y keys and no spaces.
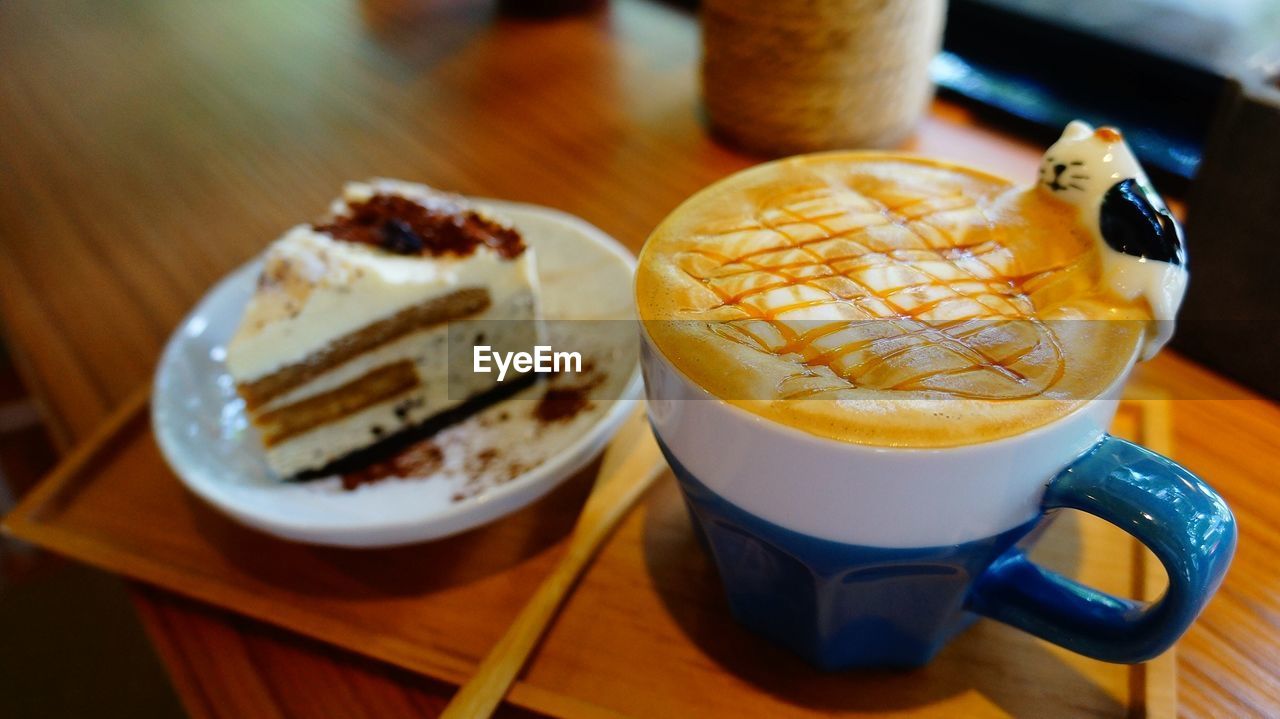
{"x":839,"y":605}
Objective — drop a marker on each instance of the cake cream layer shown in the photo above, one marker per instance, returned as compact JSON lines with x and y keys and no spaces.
{"x":885,"y":299}
{"x":329,"y":367}
{"x":348,"y":410}
{"x":426,"y":349}
{"x":346,"y":339}
{"x":378,"y":385}
{"x":315,"y":290}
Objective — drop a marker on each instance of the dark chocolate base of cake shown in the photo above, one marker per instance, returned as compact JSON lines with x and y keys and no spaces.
{"x":391,"y":445}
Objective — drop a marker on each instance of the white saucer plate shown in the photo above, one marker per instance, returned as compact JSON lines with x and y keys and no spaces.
{"x":204,"y":434}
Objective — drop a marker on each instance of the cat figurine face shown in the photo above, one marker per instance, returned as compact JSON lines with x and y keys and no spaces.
{"x":1140,"y":243}
{"x":1085,"y":163}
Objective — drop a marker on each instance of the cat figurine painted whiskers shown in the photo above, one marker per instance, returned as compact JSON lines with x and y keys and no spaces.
{"x":1140,"y":243}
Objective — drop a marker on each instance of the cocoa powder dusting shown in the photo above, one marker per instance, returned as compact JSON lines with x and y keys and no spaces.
{"x":400,"y":225}
{"x":561,"y":404}
{"x":478,"y":464}
{"x":417,"y":460}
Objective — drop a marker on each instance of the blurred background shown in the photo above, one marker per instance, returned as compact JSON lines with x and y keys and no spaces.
{"x":1194,"y":84}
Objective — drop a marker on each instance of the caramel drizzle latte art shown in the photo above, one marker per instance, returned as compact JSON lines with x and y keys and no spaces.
{"x":881,"y":294}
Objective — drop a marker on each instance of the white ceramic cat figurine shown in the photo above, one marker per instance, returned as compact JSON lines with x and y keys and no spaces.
{"x":1141,"y":245}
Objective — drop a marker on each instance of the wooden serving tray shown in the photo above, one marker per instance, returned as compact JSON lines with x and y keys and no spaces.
{"x":646,"y":634}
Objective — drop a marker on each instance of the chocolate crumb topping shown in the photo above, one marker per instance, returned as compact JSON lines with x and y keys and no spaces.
{"x":400,"y":225}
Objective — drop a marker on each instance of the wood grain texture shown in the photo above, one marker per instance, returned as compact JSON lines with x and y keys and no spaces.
{"x":435,"y":607}
{"x":627,"y":470}
{"x":646,"y":633}
{"x":148,"y":147}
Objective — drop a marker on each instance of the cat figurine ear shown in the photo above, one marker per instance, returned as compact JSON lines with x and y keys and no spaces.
{"x":1140,"y":243}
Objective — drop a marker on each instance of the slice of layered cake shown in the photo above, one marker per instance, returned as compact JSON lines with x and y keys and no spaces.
{"x":345,"y":343}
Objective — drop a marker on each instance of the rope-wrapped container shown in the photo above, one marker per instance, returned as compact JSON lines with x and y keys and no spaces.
{"x":786,"y":76}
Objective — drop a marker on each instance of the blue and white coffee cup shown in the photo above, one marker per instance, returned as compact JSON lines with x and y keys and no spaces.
{"x":855,"y":555}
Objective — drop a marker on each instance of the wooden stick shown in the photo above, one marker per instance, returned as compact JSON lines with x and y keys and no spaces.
{"x":81,"y":454}
{"x":629,"y":468}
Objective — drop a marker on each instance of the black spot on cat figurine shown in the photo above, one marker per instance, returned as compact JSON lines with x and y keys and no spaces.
{"x":1131,"y":224}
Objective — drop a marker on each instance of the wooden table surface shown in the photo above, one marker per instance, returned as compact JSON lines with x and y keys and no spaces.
{"x":148,"y":147}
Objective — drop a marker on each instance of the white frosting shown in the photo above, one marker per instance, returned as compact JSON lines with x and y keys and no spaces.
{"x":315,"y":289}
{"x":1096,"y":160}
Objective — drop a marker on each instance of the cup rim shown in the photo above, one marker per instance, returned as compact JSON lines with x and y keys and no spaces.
{"x":1111,"y":393}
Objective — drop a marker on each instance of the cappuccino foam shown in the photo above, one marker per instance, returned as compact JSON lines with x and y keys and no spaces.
{"x":885,"y":299}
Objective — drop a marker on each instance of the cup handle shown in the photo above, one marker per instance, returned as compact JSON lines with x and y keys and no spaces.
{"x":1180,"y":519}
